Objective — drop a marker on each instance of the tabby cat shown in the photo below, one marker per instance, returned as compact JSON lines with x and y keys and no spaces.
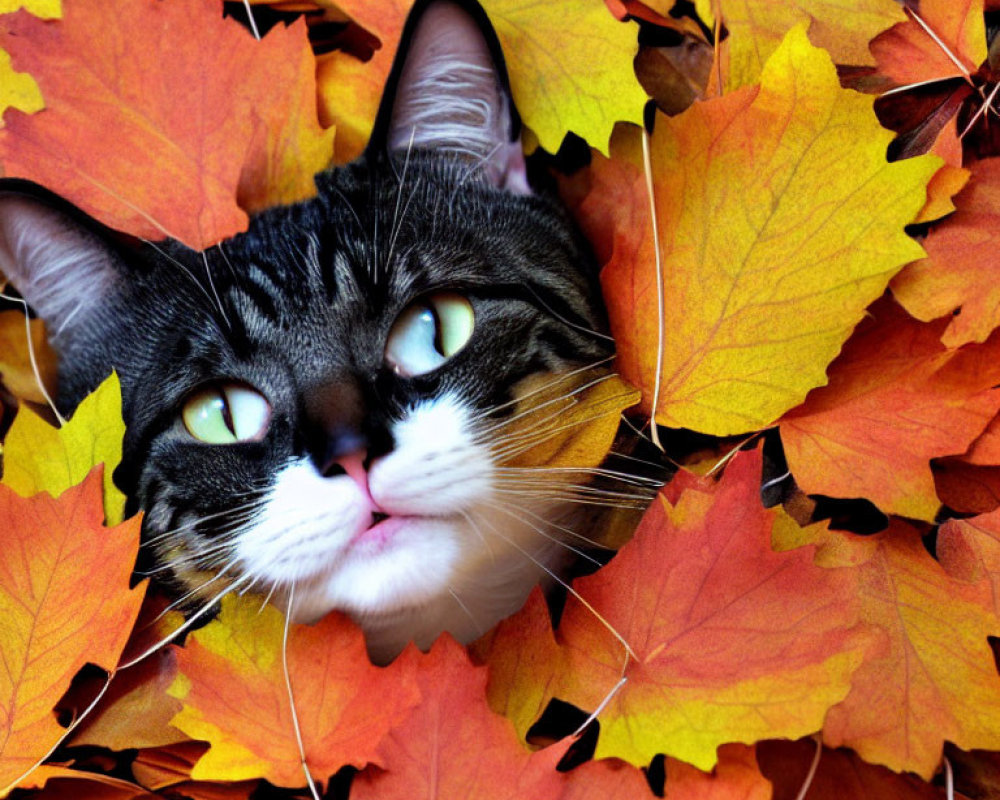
{"x":321,"y":402}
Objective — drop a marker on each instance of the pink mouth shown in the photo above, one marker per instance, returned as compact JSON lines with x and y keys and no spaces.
{"x":380,"y":533}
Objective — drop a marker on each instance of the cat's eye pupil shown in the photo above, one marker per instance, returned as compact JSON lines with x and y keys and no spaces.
{"x":226,"y":413}
{"x":428,"y":332}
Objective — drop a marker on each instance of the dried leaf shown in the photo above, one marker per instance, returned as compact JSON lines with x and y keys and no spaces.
{"x":843,"y":27}
{"x":41,"y":458}
{"x":15,"y":360}
{"x":64,"y":602}
{"x":777,"y":228}
{"x":232,"y":685}
{"x":453,"y":745}
{"x":896,"y":399}
{"x":148,"y":164}
{"x":958,"y":274}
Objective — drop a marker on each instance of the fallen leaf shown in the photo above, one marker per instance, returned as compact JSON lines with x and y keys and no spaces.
{"x":46,"y":9}
{"x":80,"y":785}
{"x":608,"y":779}
{"x":570,"y":67}
{"x":935,"y":679}
{"x":232,"y":685}
{"x":453,"y":745}
{"x":735,"y":777}
{"x":40,"y":458}
{"x":756,"y":29}
{"x":64,"y":602}
{"x":896,"y":399}
{"x":567,"y":421}
{"x":17,"y":89}
{"x":192,"y":155}
{"x":969,"y":551}
{"x":777,"y":229}
{"x":908,"y":53}
{"x":957,"y":274}
{"x":169,"y":768}
{"x":15,"y":358}
{"x":840,"y":775}
{"x":707,"y":608}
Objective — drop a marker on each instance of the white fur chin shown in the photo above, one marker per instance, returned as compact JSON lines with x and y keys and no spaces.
{"x":452,"y":561}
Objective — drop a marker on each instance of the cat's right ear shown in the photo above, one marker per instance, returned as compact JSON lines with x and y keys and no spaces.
{"x":53,"y":255}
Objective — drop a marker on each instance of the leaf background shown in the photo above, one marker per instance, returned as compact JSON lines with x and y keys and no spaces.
{"x":745,"y":626}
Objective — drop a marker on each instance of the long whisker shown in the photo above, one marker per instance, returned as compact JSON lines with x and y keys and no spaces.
{"x":291,"y":695}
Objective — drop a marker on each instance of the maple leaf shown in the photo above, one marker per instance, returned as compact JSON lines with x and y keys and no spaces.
{"x":897,"y":398}
{"x":608,"y":779}
{"x":453,"y":745}
{"x":772,"y":245}
{"x":46,"y":9}
{"x":707,"y":610}
{"x":969,"y":551}
{"x":15,"y":357}
{"x":948,"y":39}
{"x":18,"y":89}
{"x":148,"y":164}
{"x":41,"y":458}
{"x":565,"y":421}
{"x":167,"y":771}
{"x":350,"y":90}
{"x":735,"y":777}
{"x":232,"y":684}
{"x":756,"y":29}
{"x":840,"y":774}
{"x":934,"y":678}
{"x":957,"y":272}
{"x":64,"y":602}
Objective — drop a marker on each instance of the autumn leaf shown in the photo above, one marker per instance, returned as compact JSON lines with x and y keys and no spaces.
{"x":958,"y":272}
{"x":111,"y":57}
{"x":935,"y":678}
{"x":951,"y":30}
{"x":232,"y":684}
{"x":566,"y":421}
{"x":16,"y":369}
{"x":969,"y":551}
{"x":777,"y":228}
{"x":840,"y":774}
{"x":18,"y":89}
{"x":38,"y":457}
{"x":570,"y":67}
{"x":896,"y":399}
{"x":453,"y":745}
{"x":608,"y":779}
{"x":64,"y":602}
{"x":46,"y":9}
{"x":167,"y":772}
{"x":735,"y":777}
{"x":756,"y":29}
{"x":80,"y":785}
{"x":707,"y":608}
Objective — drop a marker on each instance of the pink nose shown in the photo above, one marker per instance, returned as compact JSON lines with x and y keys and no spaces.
{"x":354,"y":465}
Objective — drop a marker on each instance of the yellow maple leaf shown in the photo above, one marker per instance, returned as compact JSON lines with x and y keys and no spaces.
{"x":46,"y":9}
{"x":570,"y":67}
{"x":17,"y":89}
{"x":757,"y":27}
{"x":780,"y":221}
{"x":38,"y":457}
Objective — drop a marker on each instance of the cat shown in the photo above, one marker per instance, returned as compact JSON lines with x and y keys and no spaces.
{"x":322,"y":405}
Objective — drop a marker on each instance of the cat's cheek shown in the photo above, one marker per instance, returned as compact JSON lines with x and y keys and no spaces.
{"x":306,"y":523}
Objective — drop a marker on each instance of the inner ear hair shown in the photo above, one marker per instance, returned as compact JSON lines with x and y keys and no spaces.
{"x":59,"y":264}
{"x":448,"y":92}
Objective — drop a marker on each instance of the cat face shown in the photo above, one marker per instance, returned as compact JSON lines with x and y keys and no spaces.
{"x":325,"y":406}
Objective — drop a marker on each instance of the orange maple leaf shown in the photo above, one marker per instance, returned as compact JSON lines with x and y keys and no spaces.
{"x":896,"y":399}
{"x":64,"y":602}
{"x":959,"y":273}
{"x":232,"y":684}
{"x":453,"y":745}
{"x":157,"y":114}
{"x":706,"y":607}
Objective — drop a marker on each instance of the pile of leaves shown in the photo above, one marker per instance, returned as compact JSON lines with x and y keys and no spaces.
{"x":793,"y":289}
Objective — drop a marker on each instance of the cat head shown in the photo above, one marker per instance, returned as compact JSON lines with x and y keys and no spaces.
{"x":328,"y":400}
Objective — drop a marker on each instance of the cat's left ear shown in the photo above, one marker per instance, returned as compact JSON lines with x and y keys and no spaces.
{"x":448,"y":91}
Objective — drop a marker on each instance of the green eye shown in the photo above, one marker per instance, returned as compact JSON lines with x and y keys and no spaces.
{"x":429,"y":332}
{"x":226,"y":413}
